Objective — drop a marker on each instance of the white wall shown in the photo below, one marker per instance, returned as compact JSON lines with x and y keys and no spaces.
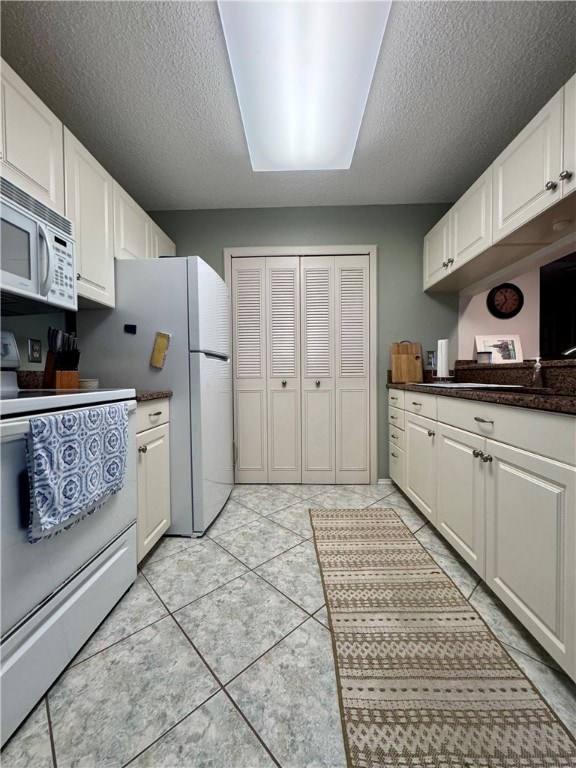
{"x":475,"y":319}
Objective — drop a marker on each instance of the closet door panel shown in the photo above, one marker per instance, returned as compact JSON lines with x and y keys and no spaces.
{"x":318,"y":361}
{"x":250,"y":380}
{"x":352,"y":323}
{"x":283,"y":317}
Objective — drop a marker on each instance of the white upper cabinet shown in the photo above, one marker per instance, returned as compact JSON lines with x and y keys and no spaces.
{"x":568,"y":173}
{"x":32,"y":143}
{"x":471,"y":221}
{"x":161,"y":245}
{"x":437,"y":252}
{"x":510,"y":211}
{"x":132,"y":230}
{"x":90,"y":205}
{"x":525,"y":175}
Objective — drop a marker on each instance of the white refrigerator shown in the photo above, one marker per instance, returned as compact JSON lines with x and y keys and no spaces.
{"x":186,"y":299}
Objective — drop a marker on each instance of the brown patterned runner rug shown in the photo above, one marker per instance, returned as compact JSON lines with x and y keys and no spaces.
{"x":423,"y":682}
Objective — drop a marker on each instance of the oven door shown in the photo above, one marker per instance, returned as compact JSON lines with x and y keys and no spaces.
{"x":31,"y":573}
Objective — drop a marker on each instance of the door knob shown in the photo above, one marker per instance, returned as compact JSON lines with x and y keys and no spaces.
{"x":431,"y":433}
{"x":317,"y":382}
{"x":143,"y":449}
{"x":551,"y":185}
{"x":477,"y":454}
{"x":565,"y":175}
{"x":284,"y":382}
{"x":487,"y":458}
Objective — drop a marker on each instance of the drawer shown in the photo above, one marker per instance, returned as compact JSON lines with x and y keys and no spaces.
{"x":152,"y":413}
{"x":423,"y":405}
{"x":547,"y":434}
{"x":396,"y":465}
{"x":396,"y":436}
{"x":396,"y":417}
{"x":396,"y":398}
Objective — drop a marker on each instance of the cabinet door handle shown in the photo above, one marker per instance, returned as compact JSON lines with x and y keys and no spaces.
{"x":284,"y":382}
{"x":317,"y":382}
{"x":445,"y":264}
{"x":394,"y":417}
{"x":143,"y":449}
{"x":450,"y":261}
{"x":153,"y":415}
{"x":551,"y":185}
{"x":418,"y":404}
{"x":477,"y":454}
{"x":431,"y":433}
{"x":394,"y":436}
{"x":395,"y":455}
{"x":483,"y":421}
{"x":565,"y":175}
{"x":393,"y":398}
{"x":486,"y":458}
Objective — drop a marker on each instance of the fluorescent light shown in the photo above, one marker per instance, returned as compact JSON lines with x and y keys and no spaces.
{"x":302,"y":72}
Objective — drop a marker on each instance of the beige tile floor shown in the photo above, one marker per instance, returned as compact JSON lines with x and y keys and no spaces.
{"x":219,"y":656}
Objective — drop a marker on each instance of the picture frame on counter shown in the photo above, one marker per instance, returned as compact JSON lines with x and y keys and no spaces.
{"x":505,"y":348}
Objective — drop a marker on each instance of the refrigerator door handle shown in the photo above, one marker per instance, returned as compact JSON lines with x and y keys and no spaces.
{"x":210,"y":353}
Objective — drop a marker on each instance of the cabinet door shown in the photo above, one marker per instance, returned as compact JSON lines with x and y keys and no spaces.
{"x":249,"y":360}
{"x":153,"y":486}
{"x":283,"y":310}
{"x":90,"y":205}
{"x":32,"y":144}
{"x":132,"y":233}
{"x":527,"y":165}
{"x":420,"y":463}
{"x":460,"y":498}
{"x":352,"y":404}
{"x":531,"y":545}
{"x":437,"y":252}
{"x":569,"y":160}
{"x":318,"y":406}
{"x":161,"y":245}
{"x":471,"y":221}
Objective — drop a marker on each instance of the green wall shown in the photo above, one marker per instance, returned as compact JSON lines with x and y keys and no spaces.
{"x":404,"y":311}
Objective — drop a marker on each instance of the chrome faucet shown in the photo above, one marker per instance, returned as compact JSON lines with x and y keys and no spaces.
{"x":537,"y":373}
{"x":569,"y":352}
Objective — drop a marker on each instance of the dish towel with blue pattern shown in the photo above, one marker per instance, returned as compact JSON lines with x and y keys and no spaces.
{"x":76,"y":461}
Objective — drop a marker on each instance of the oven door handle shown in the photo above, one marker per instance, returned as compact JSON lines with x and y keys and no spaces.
{"x":14,"y":429}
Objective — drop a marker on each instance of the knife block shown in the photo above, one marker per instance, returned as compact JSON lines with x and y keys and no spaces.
{"x":55,"y":379}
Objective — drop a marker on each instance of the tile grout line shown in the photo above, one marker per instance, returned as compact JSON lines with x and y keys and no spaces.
{"x":50,"y":730}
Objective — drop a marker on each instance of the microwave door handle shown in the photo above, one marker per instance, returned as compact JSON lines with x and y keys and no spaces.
{"x":48,"y":259}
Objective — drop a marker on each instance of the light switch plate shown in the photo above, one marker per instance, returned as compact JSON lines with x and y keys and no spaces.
{"x":34,"y":351}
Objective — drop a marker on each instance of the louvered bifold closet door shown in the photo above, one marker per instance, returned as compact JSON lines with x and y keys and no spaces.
{"x":250,"y":376}
{"x":318,"y":364}
{"x":352,"y":369}
{"x":283,"y":310}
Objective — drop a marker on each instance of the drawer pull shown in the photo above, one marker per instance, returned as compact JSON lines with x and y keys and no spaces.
{"x":431,"y":433}
{"x":477,"y":454}
{"x":392,"y":397}
{"x":143,"y":449}
{"x":156,"y":413}
{"x":415,"y":403}
{"x":395,"y":455}
{"x":483,"y":421}
{"x":394,"y":436}
{"x":394,"y":417}
{"x":486,"y":458}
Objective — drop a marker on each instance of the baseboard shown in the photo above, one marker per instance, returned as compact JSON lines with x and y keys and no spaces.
{"x":384,"y":481}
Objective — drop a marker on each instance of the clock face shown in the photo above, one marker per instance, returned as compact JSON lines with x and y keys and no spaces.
{"x":505,"y":300}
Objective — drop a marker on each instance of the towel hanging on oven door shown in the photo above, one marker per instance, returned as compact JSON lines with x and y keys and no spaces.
{"x":76,"y":461}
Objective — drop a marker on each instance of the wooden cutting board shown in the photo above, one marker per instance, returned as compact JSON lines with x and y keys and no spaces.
{"x":406,"y":359}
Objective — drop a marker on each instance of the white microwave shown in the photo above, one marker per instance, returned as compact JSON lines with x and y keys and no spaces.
{"x":37,"y":250}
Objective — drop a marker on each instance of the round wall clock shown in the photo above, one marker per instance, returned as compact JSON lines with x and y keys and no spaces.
{"x":505,"y":301}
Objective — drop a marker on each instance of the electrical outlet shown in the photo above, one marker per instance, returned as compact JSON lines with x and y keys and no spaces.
{"x":34,"y":351}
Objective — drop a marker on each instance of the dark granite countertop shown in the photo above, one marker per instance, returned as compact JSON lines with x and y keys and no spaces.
{"x":556,"y":392}
{"x":142,"y":395}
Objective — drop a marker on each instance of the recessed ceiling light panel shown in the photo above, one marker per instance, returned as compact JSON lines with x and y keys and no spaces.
{"x":302,"y":72}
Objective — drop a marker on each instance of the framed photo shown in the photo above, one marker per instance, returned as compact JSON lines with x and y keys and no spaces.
{"x":504,"y":348}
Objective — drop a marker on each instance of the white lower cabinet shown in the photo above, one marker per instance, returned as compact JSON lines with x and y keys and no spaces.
{"x":153,"y":441}
{"x":460,"y":498}
{"x":420,"y":463}
{"x":508,"y":510}
{"x":531,"y":545}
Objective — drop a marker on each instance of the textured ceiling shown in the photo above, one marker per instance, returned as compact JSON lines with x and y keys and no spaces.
{"x":147,"y":88}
